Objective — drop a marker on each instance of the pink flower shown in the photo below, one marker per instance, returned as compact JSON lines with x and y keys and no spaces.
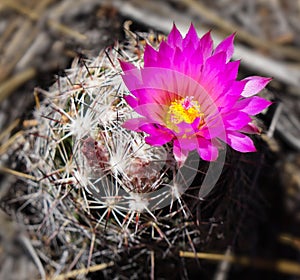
{"x":187,"y":93}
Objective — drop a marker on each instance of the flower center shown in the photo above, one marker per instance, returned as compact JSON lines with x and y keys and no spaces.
{"x":183,"y":110}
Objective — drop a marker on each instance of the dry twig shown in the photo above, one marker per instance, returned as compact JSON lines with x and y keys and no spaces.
{"x":35,"y":16}
{"x":16,"y":81}
{"x":78,"y":272}
{"x":282,"y":266}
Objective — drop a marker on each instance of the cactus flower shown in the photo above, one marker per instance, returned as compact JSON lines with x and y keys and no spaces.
{"x":187,"y":93}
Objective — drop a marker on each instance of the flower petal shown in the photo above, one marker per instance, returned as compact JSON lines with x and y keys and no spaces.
{"x":226,"y":46}
{"x":191,"y":37}
{"x":132,"y":101}
{"x":240,"y":142}
{"x":207,"y":150}
{"x":165,"y":55}
{"x":197,"y":59}
{"x":158,"y":134}
{"x":250,"y":128}
{"x":214,"y":65}
{"x":253,"y":105}
{"x":206,"y":45}
{"x":189,"y":144}
{"x":150,"y":56}
{"x":254,"y":85}
{"x":135,"y":124}
{"x":179,"y":154}
{"x":126,"y":66}
{"x":236,"y":120}
{"x":174,"y":39}
{"x":231,"y":70}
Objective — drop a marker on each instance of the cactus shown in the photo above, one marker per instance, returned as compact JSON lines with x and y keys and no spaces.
{"x":101,"y":194}
{"x":93,"y":178}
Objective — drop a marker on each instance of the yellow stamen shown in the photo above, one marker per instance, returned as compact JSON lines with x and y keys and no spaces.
{"x":183,"y":110}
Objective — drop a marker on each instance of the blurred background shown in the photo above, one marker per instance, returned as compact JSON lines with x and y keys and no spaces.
{"x":40,"y":38}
